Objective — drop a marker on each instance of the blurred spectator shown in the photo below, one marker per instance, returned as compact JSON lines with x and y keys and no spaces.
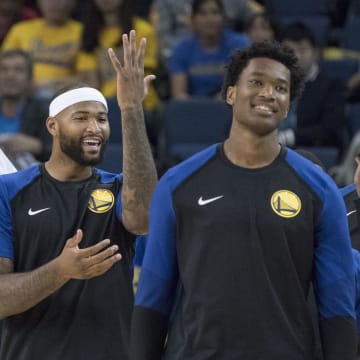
{"x":23,"y":135}
{"x":197,"y":63}
{"x":343,"y":174}
{"x":172,"y":19}
{"x":12,"y":11}
{"x":53,"y":41}
{"x":317,"y":118}
{"x":339,"y":11}
{"x":262,"y":26}
{"x":353,"y":88}
{"x":142,"y":8}
{"x":104,"y":23}
{"x":239,"y":12}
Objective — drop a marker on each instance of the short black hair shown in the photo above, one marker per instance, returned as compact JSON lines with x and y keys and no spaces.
{"x":268,"y":18}
{"x":6,"y":54}
{"x":266,"y":49}
{"x":298,"y":31}
{"x":196,"y":5}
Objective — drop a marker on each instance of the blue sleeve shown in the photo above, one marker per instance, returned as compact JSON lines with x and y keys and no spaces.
{"x":159,"y":273}
{"x":356,"y":257}
{"x":140,"y":245}
{"x":6,"y":228}
{"x":334,"y":267}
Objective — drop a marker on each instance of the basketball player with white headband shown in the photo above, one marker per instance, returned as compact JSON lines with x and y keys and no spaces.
{"x":68,"y":228}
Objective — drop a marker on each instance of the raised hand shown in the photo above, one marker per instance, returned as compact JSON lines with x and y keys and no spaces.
{"x":76,"y":263}
{"x":132,"y":86}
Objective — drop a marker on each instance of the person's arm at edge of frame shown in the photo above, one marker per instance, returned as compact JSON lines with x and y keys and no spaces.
{"x":139,"y":171}
{"x":21,"y":291}
{"x":335,"y":281}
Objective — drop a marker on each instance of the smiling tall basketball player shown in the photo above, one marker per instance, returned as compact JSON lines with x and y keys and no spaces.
{"x":238,"y":233}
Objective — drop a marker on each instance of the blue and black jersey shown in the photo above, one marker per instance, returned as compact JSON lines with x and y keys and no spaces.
{"x":352,"y":203}
{"x":230,"y":258}
{"x":84,"y":319}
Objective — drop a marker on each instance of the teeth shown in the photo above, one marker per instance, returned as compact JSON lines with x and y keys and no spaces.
{"x":262,"y":107}
{"x":92,"y":142}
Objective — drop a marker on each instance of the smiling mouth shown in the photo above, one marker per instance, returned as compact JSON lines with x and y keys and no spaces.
{"x":264,"y":109}
{"x":92,"y":142}
{"x":91,"y":145}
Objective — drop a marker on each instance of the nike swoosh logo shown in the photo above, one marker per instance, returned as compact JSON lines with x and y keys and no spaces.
{"x":202,"y":202}
{"x":351,"y":212}
{"x":31,"y":213}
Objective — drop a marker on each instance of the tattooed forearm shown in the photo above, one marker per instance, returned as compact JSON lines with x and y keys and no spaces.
{"x":139,"y":172}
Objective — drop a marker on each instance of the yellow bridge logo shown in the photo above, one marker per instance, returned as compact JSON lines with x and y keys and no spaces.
{"x":285,"y":203}
{"x":101,"y":201}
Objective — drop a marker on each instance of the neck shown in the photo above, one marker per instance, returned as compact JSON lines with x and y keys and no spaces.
{"x":210,"y":42}
{"x":111,"y":19}
{"x":66,"y":169}
{"x":251,"y":151}
{"x":10,"y":105}
{"x":55,"y":23}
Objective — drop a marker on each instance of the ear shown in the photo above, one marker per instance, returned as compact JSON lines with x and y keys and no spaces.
{"x":51,"y":125}
{"x":230,"y":95}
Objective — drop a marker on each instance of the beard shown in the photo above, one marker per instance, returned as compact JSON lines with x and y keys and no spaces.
{"x":73,"y":149}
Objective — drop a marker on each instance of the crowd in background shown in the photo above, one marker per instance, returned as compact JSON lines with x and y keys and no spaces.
{"x":47,"y":44}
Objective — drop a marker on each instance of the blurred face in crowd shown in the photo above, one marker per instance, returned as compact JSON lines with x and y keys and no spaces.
{"x":15,"y":79}
{"x":56,"y":12}
{"x":260,"y":29}
{"x":304,"y":51}
{"x":108,"y":5}
{"x":10,"y":7}
{"x":8,"y":11}
{"x":208,"y":21}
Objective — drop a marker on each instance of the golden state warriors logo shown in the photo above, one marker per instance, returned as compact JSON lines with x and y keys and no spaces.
{"x":101,"y":201}
{"x":285,"y":203}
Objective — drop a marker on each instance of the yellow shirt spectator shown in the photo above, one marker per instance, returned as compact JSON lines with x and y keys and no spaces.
{"x":53,"y":48}
{"x":98,"y":60}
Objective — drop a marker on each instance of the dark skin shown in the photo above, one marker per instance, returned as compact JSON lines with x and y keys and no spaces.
{"x":88,"y":120}
{"x":260,"y":100}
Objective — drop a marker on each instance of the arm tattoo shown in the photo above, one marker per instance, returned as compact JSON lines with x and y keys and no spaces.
{"x":139,"y":172}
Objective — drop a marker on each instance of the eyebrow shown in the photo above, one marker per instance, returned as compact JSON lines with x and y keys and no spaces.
{"x":257,"y":73}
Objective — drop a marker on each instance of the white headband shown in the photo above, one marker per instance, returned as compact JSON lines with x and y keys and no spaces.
{"x":75,"y":96}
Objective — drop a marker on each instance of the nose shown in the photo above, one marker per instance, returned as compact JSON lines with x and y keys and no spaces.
{"x":93,"y":126}
{"x":267,"y":91}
